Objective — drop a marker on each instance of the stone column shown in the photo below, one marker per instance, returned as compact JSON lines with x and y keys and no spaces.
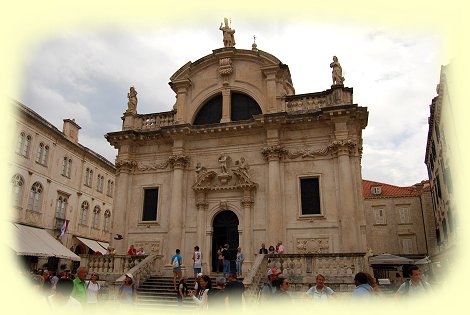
{"x":175,"y":225}
{"x":274,"y":217}
{"x":123,"y":170}
{"x":247,"y":248}
{"x":226,"y":103}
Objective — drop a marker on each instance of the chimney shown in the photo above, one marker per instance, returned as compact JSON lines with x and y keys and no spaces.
{"x":71,"y":129}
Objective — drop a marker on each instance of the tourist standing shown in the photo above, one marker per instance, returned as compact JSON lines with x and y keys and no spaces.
{"x":79,"y":286}
{"x":263,"y":249}
{"x":62,"y":299}
{"x":202,"y":297}
{"x":282,"y":288}
{"x":92,"y":289}
{"x":197,"y":261}
{"x":182,"y":291}
{"x":363,"y":289}
{"x":280,"y":248}
{"x":239,"y":261}
{"x":226,"y":256}
{"x":414,"y":286}
{"x":220,"y":260}
{"x":216,"y":295}
{"x":320,"y":292}
{"x":176,"y":261}
{"x":269,"y":287}
{"x":127,"y":293}
{"x":132,"y":251}
{"x":234,"y":291}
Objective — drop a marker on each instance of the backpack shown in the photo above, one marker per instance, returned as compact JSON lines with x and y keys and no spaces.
{"x":175,"y":263}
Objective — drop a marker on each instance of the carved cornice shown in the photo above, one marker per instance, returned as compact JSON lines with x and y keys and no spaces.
{"x":125,"y":165}
{"x":332,"y":148}
{"x":179,"y":160}
{"x":153,"y":166}
{"x":274,"y":152}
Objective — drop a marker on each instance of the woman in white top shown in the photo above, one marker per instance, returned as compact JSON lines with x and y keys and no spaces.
{"x":92,"y":288}
{"x":201,"y":299}
{"x":320,"y":292}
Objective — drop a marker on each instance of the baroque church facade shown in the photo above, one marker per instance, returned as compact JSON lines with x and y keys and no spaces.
{"x":241,"y":159}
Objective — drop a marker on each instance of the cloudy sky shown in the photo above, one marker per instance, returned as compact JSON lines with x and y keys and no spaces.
{"x":86,"y":74}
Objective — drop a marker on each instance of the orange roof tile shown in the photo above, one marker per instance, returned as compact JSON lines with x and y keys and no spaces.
{"x":387,"y":190}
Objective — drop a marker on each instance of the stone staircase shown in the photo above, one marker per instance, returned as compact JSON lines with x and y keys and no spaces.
{"x":157,"y":292}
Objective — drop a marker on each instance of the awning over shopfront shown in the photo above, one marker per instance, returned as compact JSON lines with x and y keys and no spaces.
{"x":389,"y":259}
{"x":92,"y":244}
{"x":30,"y":241}
{"x":104,"y":244}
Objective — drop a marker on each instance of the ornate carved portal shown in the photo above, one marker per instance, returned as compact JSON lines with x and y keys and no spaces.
{"x":235,"y":177}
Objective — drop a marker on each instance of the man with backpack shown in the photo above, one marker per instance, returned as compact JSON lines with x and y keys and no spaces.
{"x":176,"y":261}
{"x":414,"y":286}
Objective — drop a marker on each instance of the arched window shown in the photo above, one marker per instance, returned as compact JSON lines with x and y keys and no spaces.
{"x":61,"y":206}
{"x":84,"y":213}
{"x":43,"y":152}
{"x":23,"y":145}
{"x":66,"y":167}
{"x":210,"y":112}
{"x":69,"y":168}
{"x":27,"y":146}
{"x":107,"y":218}
{"x":242,"y":107}
{"x":88,"y":177}
{"x":34,"y":202}
{"x":110,"y":188}
{"x":96,"y":217}
{"x":99,"y":183}
{"x":20,"y":143}
{"x":17,"y":182}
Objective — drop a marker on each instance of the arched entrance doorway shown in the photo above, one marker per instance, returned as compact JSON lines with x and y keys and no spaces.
{"x":225,"y":227}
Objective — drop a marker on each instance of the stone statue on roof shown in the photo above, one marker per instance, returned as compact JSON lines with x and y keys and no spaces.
{"x":337,"y":72}
{"x":132,"y":103}
{"x":229,"y":38}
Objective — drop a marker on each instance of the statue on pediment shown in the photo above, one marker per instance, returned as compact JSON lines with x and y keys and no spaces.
{"x":242,"y":168}
{"x":337,"y":72}
{"x":132,"y":103}
{"x":228,"y":34}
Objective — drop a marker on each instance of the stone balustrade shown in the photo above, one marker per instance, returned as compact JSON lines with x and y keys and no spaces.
{"x":301,"y":270}
{"x":157,"y":120}
{"x":110,"y":267}
{"x":314,"y":101}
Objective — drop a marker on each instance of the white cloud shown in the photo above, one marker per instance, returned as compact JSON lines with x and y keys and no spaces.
{"x":88,"y":74}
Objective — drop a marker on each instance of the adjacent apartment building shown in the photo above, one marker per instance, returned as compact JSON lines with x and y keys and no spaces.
{"x":399,"y":220}
{"x":56,"y":183}
{"x":439,"y":159}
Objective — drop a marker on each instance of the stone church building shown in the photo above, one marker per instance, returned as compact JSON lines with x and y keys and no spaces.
{"x":241,"y":159}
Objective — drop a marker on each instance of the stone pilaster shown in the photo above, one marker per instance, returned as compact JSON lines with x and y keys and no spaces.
{"x":175,"y":225}
{"x":274,"y":217}
{"x":123,"y":170}
{"x":349,"y":225}
{"x":201,"y":206}
{"x":247,"y":248}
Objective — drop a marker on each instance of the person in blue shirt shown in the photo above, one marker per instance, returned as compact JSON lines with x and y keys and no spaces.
{"x":176,"y":262}
{"x":363,"y":289}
